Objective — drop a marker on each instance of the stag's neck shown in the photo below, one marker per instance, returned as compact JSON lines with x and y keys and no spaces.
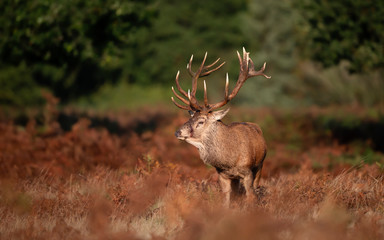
{"x":209,"y":148}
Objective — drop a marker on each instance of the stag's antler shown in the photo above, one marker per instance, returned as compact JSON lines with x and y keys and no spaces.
{"x":247,"y":70}
{"x":192,"y":103}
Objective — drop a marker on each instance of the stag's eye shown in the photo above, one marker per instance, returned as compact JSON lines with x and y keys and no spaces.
{"x":199,"y":123}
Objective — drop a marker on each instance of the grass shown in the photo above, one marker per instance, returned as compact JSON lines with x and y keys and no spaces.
{"x":88,"y":183}
{"x":293,"y":206}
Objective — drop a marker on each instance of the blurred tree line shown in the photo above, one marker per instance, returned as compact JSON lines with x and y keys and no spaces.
{"x":72,"y":47}
{"x":69,"y":47}
{"x":345,"y":30}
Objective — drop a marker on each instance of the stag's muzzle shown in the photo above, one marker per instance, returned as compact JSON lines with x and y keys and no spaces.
{"x":178,"y":133}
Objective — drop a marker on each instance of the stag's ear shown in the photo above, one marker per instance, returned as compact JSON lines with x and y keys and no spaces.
{"x":220,"y":114}
{"x":191,"y":113}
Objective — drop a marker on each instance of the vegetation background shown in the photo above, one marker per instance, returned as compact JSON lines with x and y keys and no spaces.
{"x":92,"y":52}
{"x":86,"y":123}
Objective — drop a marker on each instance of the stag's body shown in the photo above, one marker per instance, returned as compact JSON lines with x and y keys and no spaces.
{"x":237,"y":150}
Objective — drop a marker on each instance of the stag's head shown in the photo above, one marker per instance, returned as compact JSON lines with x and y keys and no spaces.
{"x":198,"y":125}
{"x":203,"y":116}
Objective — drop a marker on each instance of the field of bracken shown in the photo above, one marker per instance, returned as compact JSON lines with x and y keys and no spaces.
{"x":71,"y":175}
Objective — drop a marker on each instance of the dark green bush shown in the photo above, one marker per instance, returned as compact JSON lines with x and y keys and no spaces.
{"x":17,"y":87}
{"x":344,"y":30}
{"x":68,"y":46}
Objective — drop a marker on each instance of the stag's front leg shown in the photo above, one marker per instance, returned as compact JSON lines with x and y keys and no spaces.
{"x":225,"y":184}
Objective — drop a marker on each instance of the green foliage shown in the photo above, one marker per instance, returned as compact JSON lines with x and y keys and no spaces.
{"x":344,"y":30}
{"x":74,"y":47}
{"x":71,"y":47}
{"x":183,"y":28}
{"x":269,"y":27}
{"x":17,"y":87}
{"x":347,"y":39}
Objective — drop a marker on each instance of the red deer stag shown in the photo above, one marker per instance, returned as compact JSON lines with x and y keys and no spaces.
{"x":237,"y":150}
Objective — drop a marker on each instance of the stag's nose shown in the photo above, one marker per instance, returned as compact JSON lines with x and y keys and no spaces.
{"x":178,"y":133}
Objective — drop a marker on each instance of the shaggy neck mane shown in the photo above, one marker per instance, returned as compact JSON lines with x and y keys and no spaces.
{"x":209,"y":142}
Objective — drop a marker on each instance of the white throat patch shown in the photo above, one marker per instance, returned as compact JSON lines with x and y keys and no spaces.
{"x":195,"y":143}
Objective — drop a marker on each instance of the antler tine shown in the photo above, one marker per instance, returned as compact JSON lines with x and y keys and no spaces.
{"x":212,"y":70}
{"x":226,"y":99}
{"x":258,"y":73}
{"x":192,"y":104}
{"x":212,"y":64}
{"x":205,"y":70}
{"x":239,"y":57}
{"x":178,"y":85}
{"x":179,"y":97}
{"x":189,"y":67}
{"x":193,"y":101}
{"x":226,"y":86}
{"x":245,"y":58}
{"x":197,"y":75}
{"x":205,"y":95}
{"x":180,"y":106}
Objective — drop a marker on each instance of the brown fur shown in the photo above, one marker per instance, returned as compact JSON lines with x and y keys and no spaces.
{"x":237,"y":150}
